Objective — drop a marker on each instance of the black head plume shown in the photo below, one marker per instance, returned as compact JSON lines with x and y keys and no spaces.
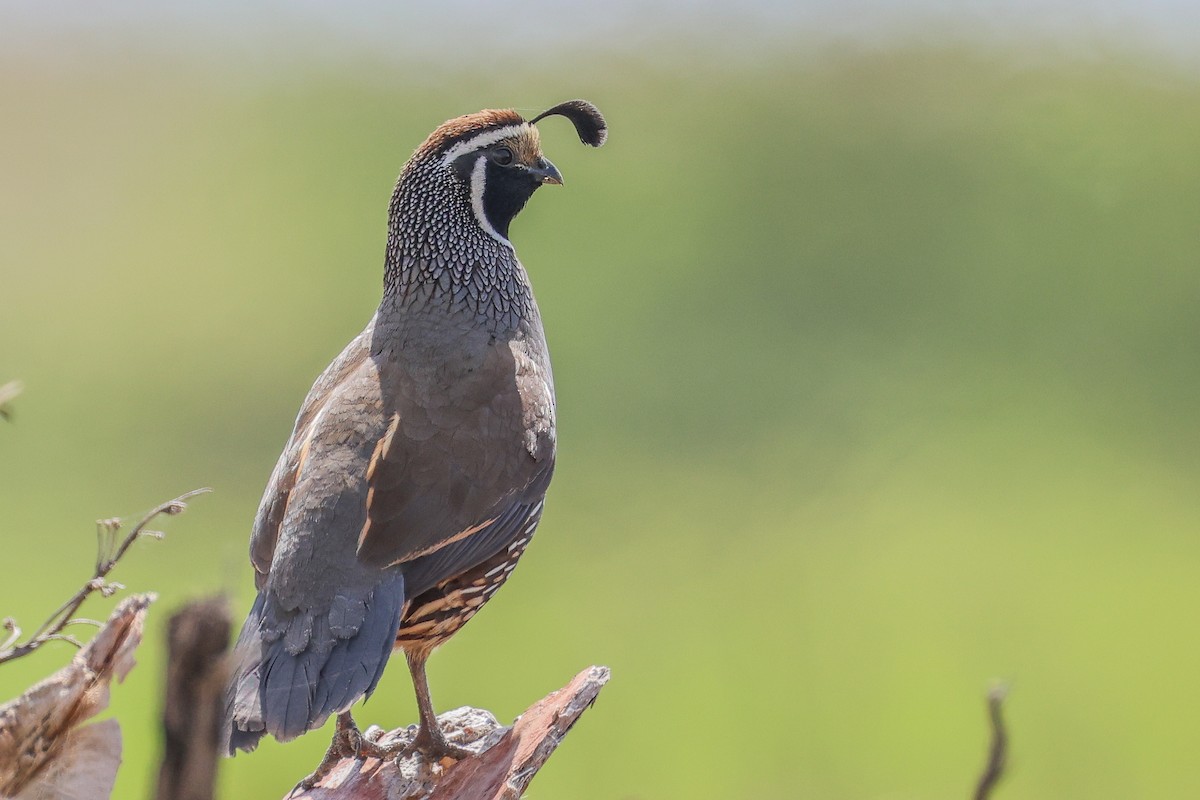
{"x":588,"y":121}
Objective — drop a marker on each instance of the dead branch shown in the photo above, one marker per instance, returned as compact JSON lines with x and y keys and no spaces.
{"x":44,"y":751}
{"x":109,"y":552}
{"x":504,"y":760}
{"x":998,"y":752}
{"x":198,"y":636}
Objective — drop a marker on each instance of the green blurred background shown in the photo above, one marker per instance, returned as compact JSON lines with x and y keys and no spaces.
{"x":876,"y":360}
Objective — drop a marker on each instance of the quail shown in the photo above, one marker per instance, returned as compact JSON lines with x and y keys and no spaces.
{"x":417,"y":469}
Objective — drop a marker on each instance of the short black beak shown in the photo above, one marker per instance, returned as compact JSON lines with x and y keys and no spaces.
{"x":546,"y":172}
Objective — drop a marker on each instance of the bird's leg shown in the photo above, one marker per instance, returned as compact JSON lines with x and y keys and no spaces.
{"x":430,"y":739}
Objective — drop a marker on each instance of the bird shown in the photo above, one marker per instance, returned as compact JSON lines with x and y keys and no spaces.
{"x":417,"y":469}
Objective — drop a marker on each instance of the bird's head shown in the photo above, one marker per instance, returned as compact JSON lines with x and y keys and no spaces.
{"x":492,"y":160}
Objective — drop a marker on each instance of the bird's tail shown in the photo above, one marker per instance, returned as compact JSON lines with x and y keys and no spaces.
{"x":293,"y":669}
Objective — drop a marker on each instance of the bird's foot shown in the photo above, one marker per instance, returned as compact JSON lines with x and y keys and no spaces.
{"x":348,"y":742}
{"x":432,"y":744}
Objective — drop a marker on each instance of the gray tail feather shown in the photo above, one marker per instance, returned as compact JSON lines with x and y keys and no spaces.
{"x":293,"y":669}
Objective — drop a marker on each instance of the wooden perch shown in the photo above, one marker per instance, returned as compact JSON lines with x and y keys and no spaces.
{"x":44,"y":751}
{"x":504,"y":760}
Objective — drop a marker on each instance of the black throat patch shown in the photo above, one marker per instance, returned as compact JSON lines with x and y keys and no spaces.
{"x":506,"y":191}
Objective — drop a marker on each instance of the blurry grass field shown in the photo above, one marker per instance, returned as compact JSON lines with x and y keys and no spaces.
{"x":877,"y":377}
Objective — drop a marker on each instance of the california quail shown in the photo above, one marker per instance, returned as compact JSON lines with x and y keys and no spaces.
{"x":417,"y":469}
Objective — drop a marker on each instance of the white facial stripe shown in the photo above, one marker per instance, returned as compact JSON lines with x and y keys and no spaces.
{"x":478,"y":181}
{"x":482,"y":140}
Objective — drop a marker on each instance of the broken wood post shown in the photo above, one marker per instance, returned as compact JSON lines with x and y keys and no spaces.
{"x":198,"y":637}
{"x":503,"y":762}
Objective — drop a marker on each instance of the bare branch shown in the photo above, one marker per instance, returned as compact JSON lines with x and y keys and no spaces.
{"x":109,"y":552}
{"x":998,"y":752}
{"x":170,"y":508}
{"x":83,"y":621}
{"x":14,"y":632}
{"x":64,"y":637}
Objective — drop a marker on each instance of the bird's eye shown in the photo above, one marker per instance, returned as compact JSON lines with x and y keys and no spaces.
{"x":502,"y":156}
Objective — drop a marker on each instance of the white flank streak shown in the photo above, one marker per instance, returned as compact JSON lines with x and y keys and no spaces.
{"x":478,"y":179}
{"x":482,"y":140}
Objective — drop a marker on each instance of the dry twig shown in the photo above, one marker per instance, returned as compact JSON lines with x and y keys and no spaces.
{"x":109,"y":551}
{"x":998,"y":751}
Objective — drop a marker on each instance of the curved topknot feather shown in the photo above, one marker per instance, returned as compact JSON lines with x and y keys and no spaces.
{"x":588,"y":121}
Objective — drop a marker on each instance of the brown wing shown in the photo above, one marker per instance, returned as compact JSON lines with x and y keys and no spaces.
{"x":399,"y":462}
{"x":278,"y":493}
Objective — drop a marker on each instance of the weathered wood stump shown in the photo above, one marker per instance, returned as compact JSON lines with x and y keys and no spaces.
{"x":503,"y":761}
